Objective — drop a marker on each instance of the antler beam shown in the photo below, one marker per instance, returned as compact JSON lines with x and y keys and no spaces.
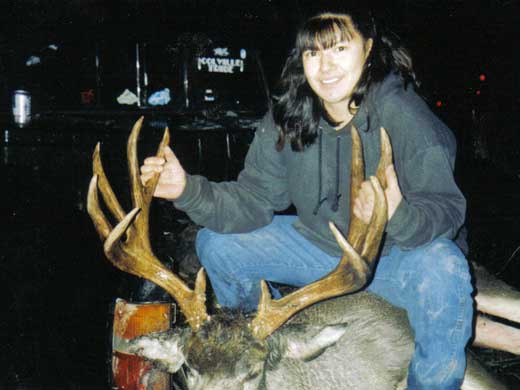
{"x":359,"y":251}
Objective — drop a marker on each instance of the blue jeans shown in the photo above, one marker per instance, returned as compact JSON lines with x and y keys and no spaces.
{"x":432,"y":283}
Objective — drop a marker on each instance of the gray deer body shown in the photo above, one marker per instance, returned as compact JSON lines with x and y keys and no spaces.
{"x":359,"y":320}
{"x":356,"y":341}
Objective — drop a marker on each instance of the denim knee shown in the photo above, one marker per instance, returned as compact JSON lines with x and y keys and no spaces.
{"x":441,"y":262}
{"x":221,"y":253}
{"x":220,"y":266}
{"x":207,"y":243}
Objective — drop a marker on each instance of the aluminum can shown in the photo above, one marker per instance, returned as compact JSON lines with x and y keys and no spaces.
{"x":21,"y":107}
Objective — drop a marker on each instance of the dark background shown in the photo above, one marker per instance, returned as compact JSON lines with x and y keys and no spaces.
{"x":57,"y":287}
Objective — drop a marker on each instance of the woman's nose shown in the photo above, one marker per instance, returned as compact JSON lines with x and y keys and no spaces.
{"x":326,"y":62}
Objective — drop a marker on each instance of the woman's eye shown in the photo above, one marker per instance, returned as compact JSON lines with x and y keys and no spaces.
{"x":311,"y":53}
{"x":340,"y":48}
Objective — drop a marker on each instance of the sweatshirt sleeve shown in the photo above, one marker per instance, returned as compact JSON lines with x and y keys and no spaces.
{"x":424,"y":157}
{"x":247,"y":203}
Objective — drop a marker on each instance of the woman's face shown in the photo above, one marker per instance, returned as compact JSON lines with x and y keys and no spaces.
{"x":333,"y":73}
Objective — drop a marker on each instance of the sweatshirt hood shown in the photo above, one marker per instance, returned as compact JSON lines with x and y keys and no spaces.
{"x":360,"y":121}
{"x":393,"y":83}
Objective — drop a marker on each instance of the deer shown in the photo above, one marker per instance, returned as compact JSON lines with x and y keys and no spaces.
{"x":329,"y":334}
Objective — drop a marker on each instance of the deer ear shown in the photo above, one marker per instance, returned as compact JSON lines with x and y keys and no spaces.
{"x":309,"y":347}
{"x":164,"y":349}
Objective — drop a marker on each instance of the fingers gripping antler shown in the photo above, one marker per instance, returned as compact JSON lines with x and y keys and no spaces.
{"x":134,"y":254}
{"x":359,"y":251}
{"x":357,"y":230}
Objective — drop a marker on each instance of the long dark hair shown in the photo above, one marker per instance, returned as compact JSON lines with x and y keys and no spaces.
{"x":297,"y":109}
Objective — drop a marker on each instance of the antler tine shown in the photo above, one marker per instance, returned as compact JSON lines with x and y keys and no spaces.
{"x":353,"y":269}
{"x":140,"y":227}
{"x":134,"y":255}
{"x":380,"y":214}
{"x":133,"y":164}
{"x":378,"y":220}
{"x":107,"y":193}
{"x":357,"y":228}
{"x":149,"y":186}
{"x":110,"y":246}
{"x":385,"y":159}
{"x":101,"y":224}
{"x":142,"y":194}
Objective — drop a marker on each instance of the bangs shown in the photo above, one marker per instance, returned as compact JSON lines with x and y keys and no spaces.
{"x":324,"y":31}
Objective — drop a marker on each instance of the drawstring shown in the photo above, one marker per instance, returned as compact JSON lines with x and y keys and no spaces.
{"x":337,"y":195}
{"x":320,"y":201}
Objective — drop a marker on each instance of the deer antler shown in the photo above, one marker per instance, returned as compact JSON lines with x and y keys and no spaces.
{"x":134,"y":253}
{"x":359,"y":252}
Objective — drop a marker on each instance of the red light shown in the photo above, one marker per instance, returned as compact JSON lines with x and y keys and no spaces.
{"x":477,"y":92}
{"x":482,"y":77}
{"x":438,"y":103}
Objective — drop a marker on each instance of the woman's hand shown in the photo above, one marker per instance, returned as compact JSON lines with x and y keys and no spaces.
{"x":172,"y":178}
{"x":364,"y":203}
{"x":393,"y":191}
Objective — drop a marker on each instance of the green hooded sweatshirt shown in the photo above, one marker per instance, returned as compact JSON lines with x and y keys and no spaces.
{"x":316,"y":180}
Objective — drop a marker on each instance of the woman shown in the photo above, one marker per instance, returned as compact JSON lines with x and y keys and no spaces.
{"x":342,"y":72}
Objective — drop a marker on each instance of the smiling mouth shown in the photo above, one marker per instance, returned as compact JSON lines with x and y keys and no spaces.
{"x":330,"y":81}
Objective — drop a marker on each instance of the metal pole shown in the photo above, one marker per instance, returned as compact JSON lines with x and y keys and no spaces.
{"x":185,"y":77}
{"x":138,"y":74}
{"x":185,"y":81}
{"x":264,"y":79}
{"x":98,"y":77}
{"x":145,"y":77}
